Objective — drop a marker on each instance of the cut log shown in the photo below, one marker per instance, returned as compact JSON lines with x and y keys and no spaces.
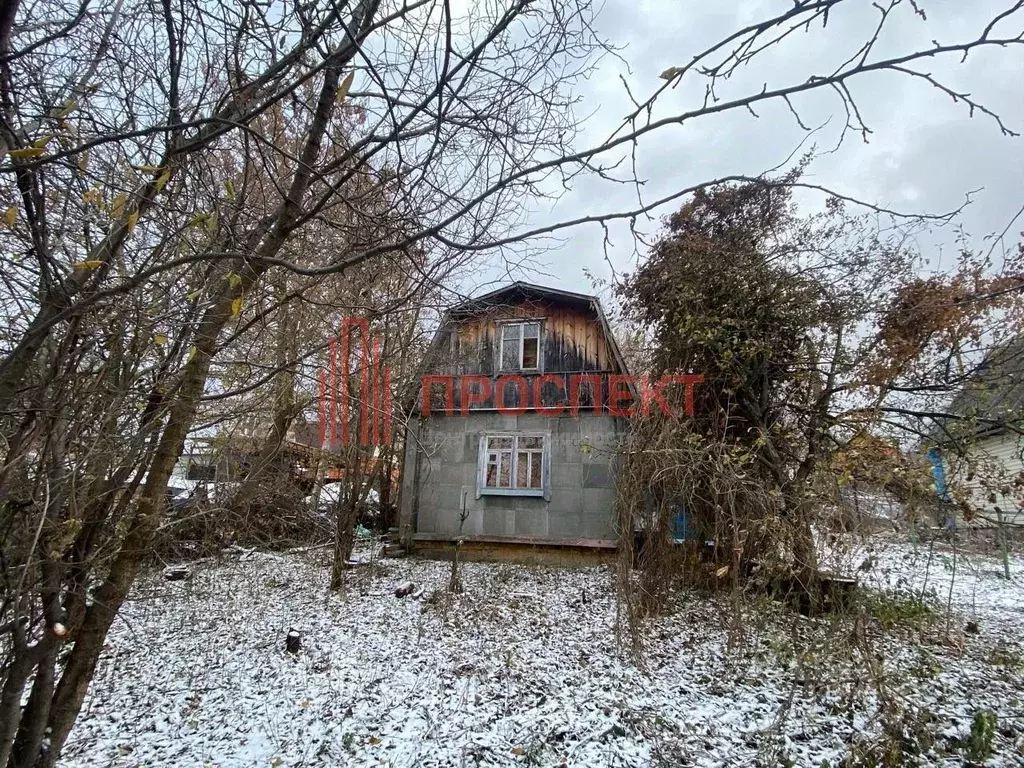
{"x":176,"y":572}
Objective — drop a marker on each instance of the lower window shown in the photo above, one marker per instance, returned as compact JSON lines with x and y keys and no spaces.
{"x":513,"y":464}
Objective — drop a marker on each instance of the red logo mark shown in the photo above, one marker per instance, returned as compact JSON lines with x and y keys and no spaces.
{"x":373,"y":396}
{"x":512,"y":394}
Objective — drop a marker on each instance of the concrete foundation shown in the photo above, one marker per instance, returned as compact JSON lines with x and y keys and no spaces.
{"x":504,"y":552}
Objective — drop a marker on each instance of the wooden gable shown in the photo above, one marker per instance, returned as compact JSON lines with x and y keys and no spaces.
{"x":575,"y":342}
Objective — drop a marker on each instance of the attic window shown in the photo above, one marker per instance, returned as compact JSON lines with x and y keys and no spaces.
{"x":520,"y":346}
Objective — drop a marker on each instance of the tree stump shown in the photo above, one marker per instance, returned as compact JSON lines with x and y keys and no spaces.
{"x":293,"y":641}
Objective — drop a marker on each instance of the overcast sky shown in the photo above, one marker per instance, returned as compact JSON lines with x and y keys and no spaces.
{"x":924,"y":154}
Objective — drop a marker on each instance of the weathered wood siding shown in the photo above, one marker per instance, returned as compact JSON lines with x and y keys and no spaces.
{"x":573,"y":347}
{"x":573,"y":341}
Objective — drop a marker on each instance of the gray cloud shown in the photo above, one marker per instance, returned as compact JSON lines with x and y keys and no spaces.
{"x":924,"y":152}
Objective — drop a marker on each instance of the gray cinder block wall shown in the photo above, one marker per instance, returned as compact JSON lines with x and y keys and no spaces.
{"x":439,"y":481}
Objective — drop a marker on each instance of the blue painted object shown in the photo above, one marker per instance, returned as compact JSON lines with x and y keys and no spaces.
{"x":681,"y":525}
{"x":938,"y":473}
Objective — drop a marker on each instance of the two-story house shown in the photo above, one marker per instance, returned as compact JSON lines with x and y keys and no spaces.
{"x":515,"y":428}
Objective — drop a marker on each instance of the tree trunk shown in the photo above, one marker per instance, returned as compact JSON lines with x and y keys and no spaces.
{"x":268,"y":463}
{"x":265,"y":244}
{"x":85,"y":653}
{"x":345,"y":520}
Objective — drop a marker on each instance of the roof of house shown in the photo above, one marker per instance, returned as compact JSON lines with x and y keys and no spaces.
{"x":993,"y":399}
{"x":519,"y":292}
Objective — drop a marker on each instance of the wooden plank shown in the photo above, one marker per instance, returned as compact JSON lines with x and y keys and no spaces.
{"x":520,"y":540}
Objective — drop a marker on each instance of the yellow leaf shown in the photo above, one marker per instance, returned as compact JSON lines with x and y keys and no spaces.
{"x":195,"y":294}
{"x":234,"y":279}
{"x":236,"y":307}
{"x":69,"y":107}
{"x":41,"y":143}
{"x":160,"y":339}
{"x":669,"y":73}
{"x":10,"y":216}
{"x":343,"y":89}
{"x":229,"y":189}
{"x":162,"y":180}
{"x":117,"y":206}
{"x":191,"y":352}
{"x":211,"y":222}
{"x":27,"y":152}
{"x":722,"y":571}
{"x":154,"y":169}
{"x":88,"y":264}
{"x":133,"y":219}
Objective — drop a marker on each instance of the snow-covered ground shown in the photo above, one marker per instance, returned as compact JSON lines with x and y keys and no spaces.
{"x":526,"y":667}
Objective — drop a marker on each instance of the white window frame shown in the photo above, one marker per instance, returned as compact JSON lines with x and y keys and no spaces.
{"x":539,"y":322}
{"x":545,"y":465}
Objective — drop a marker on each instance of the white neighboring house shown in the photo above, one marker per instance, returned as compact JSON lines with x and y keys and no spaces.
{"x":988,"y":479}
{"x":978,"y":460}
{"x":200,"y":474}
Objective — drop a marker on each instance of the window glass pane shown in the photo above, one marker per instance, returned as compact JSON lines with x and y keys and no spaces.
{"x":510,"y":331}
{"x":531,"y":442}
{"x":535,"y":469}
{"x":530,"y":348}
{"x":510,"y":355}
{"x":523,"y":470}
{"x":496,"y":443}
{"x":531,"y":330}
{"x":499,"y":470}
